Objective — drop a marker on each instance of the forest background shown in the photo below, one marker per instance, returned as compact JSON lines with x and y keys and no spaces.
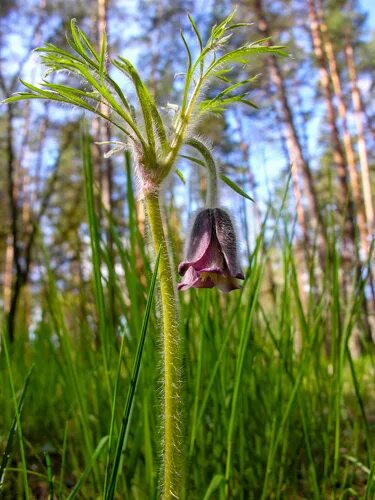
{"x":304,"y":324}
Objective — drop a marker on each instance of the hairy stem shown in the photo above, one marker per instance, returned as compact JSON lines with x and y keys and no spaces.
{"x":171,"y":354}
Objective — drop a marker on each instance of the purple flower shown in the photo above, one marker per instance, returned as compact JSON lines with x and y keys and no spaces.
{"x":211,"y":257}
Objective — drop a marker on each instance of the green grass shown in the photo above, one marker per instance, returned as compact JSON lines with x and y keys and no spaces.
{"x":275,"y":404}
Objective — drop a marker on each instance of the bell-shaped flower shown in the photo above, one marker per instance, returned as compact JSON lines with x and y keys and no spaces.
{"x":211,"y":256}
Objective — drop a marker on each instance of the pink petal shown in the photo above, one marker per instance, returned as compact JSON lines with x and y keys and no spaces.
{"x":213,"y":259}
{"x":199,"y":240}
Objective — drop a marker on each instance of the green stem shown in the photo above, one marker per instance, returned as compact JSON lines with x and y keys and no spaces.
{"x":212,"y":173}
{"x":171,"y":354}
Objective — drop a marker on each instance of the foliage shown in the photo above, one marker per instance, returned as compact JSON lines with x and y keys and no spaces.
{"x":158,"y":146}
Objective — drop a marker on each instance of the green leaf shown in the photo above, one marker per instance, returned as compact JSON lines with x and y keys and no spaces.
{"x":187,"y":50}
{"x":193,"y":159}
{"x":13,"y":428}
{"x":218,"y":31}
{"x":77,"y":45}
{"x":209,"y":162}
{"x":235,"y":187}
{"x":95,"y":456}
{"x":121,"y":442}
{"x":180,"y":175}
{"x":239,"y":25}
{"x":149,"y":110}
{"x":50,"y":476}
{"x":103,"y":52}
{"x":87,"y":43}
{"x":218,"y":105}
{"x":196,"y":30}
{"x":76,"y":41}
{"x":242,"y":54}
{"x":214,"y":485}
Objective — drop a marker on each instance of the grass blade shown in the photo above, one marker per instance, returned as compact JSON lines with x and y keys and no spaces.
{"x":12,"y":431}
{"x":87,"y":471}
{"x":121,"y":442}
{"x":215,"y":483}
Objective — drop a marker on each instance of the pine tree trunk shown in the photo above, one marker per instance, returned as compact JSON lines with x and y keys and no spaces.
{"x":106,"y":172}
{"x":8,"y":273}
{"x":295,"y":151}
{"x":362,"y":148}
{"x":13,"y":209}
{"x":345,"y":203}
{"x":348,"y":146}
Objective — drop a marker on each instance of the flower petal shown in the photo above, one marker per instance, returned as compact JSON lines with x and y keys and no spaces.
{"x":213,"y":259}
{"x":193,"y":280}
{"x":227,"y":238}
{"x":199,"y":240}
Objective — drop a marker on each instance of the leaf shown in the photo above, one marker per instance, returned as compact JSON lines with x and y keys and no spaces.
{"x":194,"y":160}
{"x":180,"y":175}
{"x":77,"y":45}
{"x":103,"y":52}
{"x":218,"y":31}
{"x":187,"y":50}
{"x":87,"y":43}
{"x":215,"y":483}
{"x":12,"y":430}
{"x":217,"y":105}
{"x":242,"y":54}
{"x":149,"y":110}
{"x":121,"y":442}
{"x":196,"y":30}
{"x":239,"y":25}
{"x":235,"y":187}
{"x":87,"y":471}
{"x":205,"y":152}
{"x":50,"y":476}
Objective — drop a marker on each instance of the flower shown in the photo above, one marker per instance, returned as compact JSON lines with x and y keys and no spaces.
{"x":211,"y":257}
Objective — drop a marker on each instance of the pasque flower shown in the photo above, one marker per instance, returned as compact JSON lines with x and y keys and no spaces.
{"x":211,"y":256}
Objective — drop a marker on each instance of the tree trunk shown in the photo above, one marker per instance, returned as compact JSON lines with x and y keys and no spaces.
{"x":338,"y":155}
{"x":106,"y":170}
{"x":295,"y":151}
{"x":104,"y":132}
{"x":342,"y":168}
{"x":349,"y":151}
{"x":362,"y":148}
{"x":8,"y":273}
{"x":13,"y":209}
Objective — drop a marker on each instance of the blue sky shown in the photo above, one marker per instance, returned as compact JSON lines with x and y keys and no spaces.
{"x":369,"y":6}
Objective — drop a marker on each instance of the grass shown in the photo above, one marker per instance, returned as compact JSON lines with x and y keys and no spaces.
{"x":275,"y":404}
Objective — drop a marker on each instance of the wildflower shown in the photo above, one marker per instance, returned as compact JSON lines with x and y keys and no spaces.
{"x":211,"y":257}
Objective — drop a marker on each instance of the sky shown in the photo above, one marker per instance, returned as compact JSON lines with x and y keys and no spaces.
{"x":369,"y":6}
